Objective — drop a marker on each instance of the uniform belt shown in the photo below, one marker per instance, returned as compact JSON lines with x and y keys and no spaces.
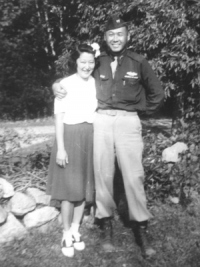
{"x":115,"y":112}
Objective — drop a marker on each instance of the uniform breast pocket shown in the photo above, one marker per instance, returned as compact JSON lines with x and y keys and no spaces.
{"x":131,"y":89}
{"x":103,"y":86}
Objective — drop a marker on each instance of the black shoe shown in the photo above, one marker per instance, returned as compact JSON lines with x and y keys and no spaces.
{"x":105,"y":226}
{"x":141,"y":238}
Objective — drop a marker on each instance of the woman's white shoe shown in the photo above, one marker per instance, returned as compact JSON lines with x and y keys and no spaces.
{"x":78,"y":243}
{"x":67,"y":247}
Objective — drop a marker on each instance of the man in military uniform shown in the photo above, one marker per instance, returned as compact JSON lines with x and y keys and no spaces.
{"x":126,"y":87}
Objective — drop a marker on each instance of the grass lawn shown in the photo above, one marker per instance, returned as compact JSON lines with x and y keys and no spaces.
{"x":174,"y":233}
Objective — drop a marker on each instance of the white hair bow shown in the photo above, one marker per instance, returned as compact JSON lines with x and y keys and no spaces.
{"x":96,"y":48}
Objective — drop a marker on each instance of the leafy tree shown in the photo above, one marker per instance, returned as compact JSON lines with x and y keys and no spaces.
{"x":23,"y":62}
{"x":37,"y":34}
{"x":165,"y":31}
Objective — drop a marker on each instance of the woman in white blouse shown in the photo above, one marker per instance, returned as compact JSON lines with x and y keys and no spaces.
{"x":71,"y":177}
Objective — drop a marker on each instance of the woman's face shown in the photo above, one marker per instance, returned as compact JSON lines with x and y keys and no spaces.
{"x":85,"y":65}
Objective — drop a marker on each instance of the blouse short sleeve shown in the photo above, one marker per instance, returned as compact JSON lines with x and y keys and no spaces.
{"x":59,"y":105}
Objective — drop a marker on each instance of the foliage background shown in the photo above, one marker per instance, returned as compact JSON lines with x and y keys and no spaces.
{"x":36,"y":37}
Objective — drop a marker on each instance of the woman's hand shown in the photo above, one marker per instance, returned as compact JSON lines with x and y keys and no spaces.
{"x":62,"y":158}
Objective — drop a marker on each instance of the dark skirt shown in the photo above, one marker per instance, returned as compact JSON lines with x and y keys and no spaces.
{"x":75,"y":182}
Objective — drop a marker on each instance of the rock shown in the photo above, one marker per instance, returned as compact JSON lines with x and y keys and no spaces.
{"x":1,"y":191}
{"x":44,"y":228}
{"x":47,"y":227}
{"x":150,"y":252}
{"x":174,"y":200}
{"x":7,"y":206}
{"x":40,"y":196}
{"x":108,"y":247}
{"x":170,"y":154}
{"x":3,"y":215}
{"x":22,"y":204}
{"x":11,"y":229}
{"x":192,"y":148}
{"x":7,"y":188}
{"x":40,"y":216}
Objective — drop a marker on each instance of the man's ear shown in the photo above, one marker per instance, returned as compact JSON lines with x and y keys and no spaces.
{"x":128,"y":37}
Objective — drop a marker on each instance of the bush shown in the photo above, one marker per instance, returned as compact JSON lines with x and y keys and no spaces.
{"x":177,"y":179}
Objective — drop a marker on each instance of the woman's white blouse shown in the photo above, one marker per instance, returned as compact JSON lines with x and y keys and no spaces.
{"x":80,"y":103}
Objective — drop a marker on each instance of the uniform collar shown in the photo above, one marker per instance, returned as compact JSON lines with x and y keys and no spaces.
{"x":110,"y":54}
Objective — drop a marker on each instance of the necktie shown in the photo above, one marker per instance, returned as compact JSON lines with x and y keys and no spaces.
{"x":113,"y":65}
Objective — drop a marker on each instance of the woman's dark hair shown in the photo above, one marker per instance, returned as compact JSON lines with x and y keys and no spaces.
{"x":76,"y":54}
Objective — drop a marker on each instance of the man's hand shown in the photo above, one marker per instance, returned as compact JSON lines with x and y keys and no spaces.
{"x":62,"y":158}
{"x":58,"y":90}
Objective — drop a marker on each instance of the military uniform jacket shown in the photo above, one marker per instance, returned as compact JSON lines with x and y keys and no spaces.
{"x":135,"y":87}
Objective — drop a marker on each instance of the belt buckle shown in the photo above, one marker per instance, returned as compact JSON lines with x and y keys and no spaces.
{"x":112,"y":112}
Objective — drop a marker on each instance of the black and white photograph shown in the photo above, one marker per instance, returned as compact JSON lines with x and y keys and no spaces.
{"x":100,"y":133}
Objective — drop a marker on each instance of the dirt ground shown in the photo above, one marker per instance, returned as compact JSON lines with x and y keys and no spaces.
{"x":42,"y":131}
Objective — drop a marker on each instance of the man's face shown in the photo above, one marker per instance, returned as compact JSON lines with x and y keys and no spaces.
{"x":117,"y":39}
